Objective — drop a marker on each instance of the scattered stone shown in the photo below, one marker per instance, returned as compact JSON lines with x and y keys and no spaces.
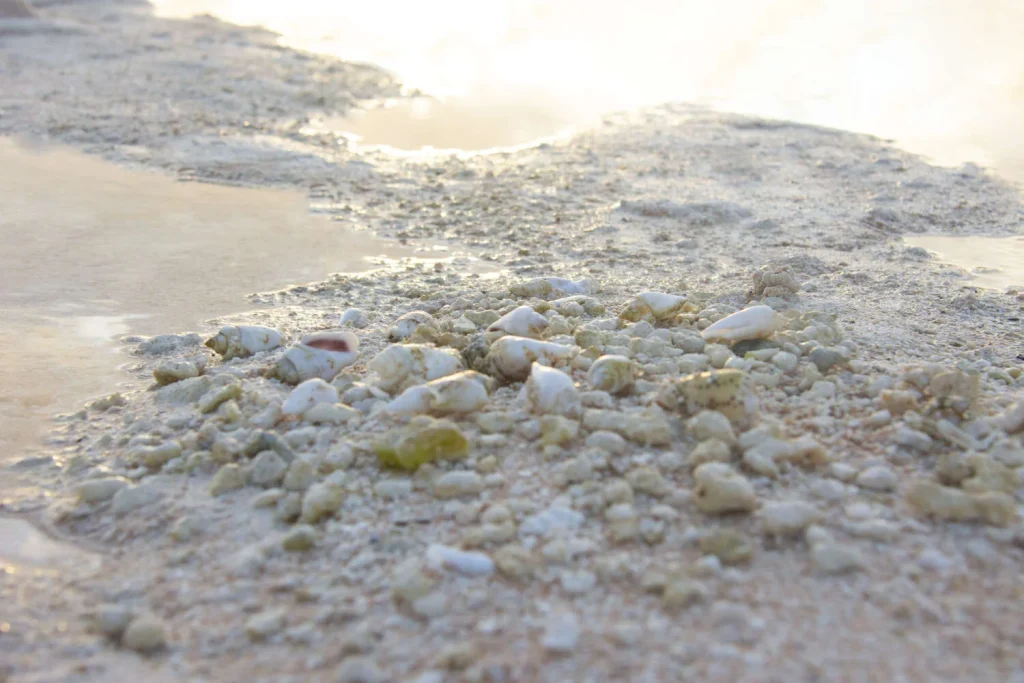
{"x":360,"y":669}
{"x":299,"y":538}
{"x":561,"y":633}
{"x":720,"y":489}
{"x":458,"y":483}
{"x":170,"y":371}
{"x":424,"y":440}
{"x":94,"y":491}
{"x":683,"y":593}
{"x":787,"y":518}
{"x":112,"y":620}
{"x":261,"y":626}
{"x":878,"y":478}
{"x":832,"y":558}
{"x":230,"y":477}
{"x":731,"y":547}
{"x":144,"y":634}
{"x":954,"y":505}
{"x":321,"y":500}
{"x":131,"y":498}
{"x":267,"y":469}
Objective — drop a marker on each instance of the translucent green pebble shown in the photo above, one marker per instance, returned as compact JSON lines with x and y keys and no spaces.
{"x":415,"y":446}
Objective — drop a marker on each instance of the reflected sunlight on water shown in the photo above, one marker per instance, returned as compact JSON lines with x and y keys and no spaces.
{"x":945,"y":78}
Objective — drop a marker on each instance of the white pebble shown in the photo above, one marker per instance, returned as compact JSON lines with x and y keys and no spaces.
{"x":561,"y":633}
{"x":462,"y":561}
{"x":878,"y":478}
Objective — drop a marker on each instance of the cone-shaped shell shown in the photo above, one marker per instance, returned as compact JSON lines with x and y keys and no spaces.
{"x":653,"y":307}
{"x":614,"y":374}
{"x":756,"y":322}
{"x":521,"y":322}
{"x":321,"y":355}
{"x":402,"y":365}
{"x":463,"y":392}
{"x":240,"y":341}
{"x":512,"y":357}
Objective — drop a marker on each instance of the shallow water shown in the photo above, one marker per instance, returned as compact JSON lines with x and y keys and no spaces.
{"x":991,"y":262}
{"x":944,"y":78}
{"x":93,"y":251}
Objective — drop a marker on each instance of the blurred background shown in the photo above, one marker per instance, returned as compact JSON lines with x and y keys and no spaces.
{"x":945,"y":78}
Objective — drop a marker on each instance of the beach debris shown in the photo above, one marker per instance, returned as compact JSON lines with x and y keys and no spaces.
{"x":461,"y":393}
{"x":406,"y":325}
{"x":718,"y":390}
{"x":544,"y":286}
{"x":551,"y":392}
{"x":321,"y":355}
{"x":519,"y":322}
{"x":400,"y":366}
{"x":612,"y":373}
{"x":512,"y":358}
{"x":307,"y":395}
{"x":241,"y":341}
{"x":653,"y":307}
{"x":756,"y":322}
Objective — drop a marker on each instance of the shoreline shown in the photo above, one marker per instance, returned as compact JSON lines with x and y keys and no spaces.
{"x":672,"y":199}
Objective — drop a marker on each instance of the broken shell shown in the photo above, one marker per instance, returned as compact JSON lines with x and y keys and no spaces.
{"x":307,"y":395}
{"x":406,"y":325}
{"x":653,"y":307}
{"x":239,"y":341}
{"x":543,"y":286}
{"x":549,"y":391}
{"x":512,"y":357}
{"x":353,"y":317}
{"x":614,"y":374}
{"x":522,"y":322}
{"x":775,"y":280}
{"x":464,"y":392}
{"x":321,"y":355}
{"x":719,"y":390}
{"x":756,"y":322}
{"x":403,"y":365}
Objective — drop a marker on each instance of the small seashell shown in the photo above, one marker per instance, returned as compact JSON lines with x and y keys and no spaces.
{"x":551,"y":392}
{"x":307,"y":395}
{"x":403,"y":365}
{"x":321,"y":355}
{"x":653,"y":307}
{"x":353,"y":317}
{"x":614,"y":374}
{"x":512,"y":357}
{"x":522,"y":322}
{"x":543,"y":286}
{"x":239,"y":341}
{"x":406,"y":325}
{"x":463,"y":392}
{"x":756,"y":322}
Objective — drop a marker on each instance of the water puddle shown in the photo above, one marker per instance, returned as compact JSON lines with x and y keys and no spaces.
{"x":93,"y":251}
{"x":22,"y":546}
{"x":993,"y":262}
{"x":942,"y":81}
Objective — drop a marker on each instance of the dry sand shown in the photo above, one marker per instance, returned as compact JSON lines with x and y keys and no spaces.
{"x":609,"y":566}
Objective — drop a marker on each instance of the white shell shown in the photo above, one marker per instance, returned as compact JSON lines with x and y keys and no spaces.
{"x":407,"y":324}
{"x":755,"y":322}
{"x":239,"y":341}
{"x":521,"y":322}
{"x":653,"y":307}
{"x":512,"y":357}
{"x":353,"y":317}
{"x":549,"y":391}
{"x":612,"y":373}
{"x":402,"y":365}
{"x":464,"y":392}
{"x":307,"y":395}
{"x":467,"y":562}
{"x":320,"y":355}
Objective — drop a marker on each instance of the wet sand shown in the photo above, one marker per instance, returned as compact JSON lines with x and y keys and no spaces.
{"x":94,"y":251}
